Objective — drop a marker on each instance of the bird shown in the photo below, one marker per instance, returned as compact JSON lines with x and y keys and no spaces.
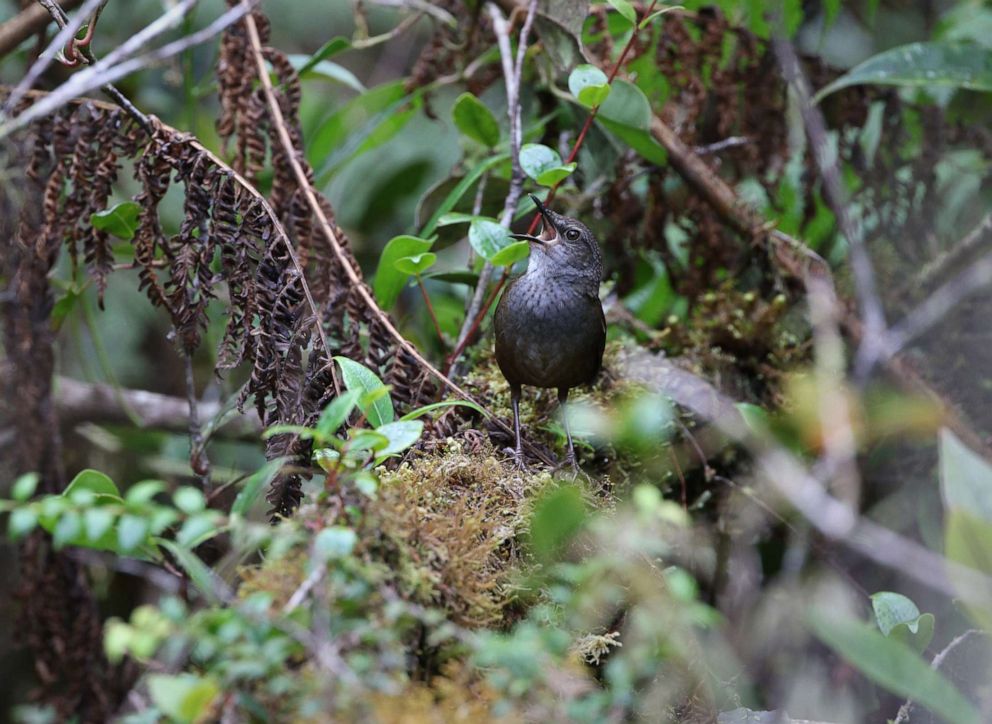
{"x":549,"y":325}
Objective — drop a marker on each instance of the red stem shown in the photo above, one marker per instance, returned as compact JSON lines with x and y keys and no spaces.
{"x":430,"y":308}
{"x":551,"y":195}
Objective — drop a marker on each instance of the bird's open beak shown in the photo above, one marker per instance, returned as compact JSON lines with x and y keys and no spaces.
{"x":548,"y":232}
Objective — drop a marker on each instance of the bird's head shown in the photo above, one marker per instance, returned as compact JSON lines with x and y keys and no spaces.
{"x":564,"y":245}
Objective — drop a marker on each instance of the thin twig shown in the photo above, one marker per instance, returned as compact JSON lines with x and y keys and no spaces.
{"x":865,"y":287}
{"x":31,"y":20}
{"x":430,"y":309}
{"x":110,"y":68}
{"x":512,"y":72}
{"x":978,"y":237}
{"x":906,"y":709}
{"x":936,"y":306}
{"x":279,"y":122}
{"x":67,"y":30}
{"x":198,"y":459}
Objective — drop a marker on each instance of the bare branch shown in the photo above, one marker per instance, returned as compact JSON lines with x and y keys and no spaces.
{"x":78,"y":401}
{"x":869,"y":304}
{"x":111,"y":68}
{"x":907,"y":708}
{"x":936,"y":306}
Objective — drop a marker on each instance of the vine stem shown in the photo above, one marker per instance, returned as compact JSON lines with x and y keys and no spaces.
{"x":481,"y":315}
{"x":279,"y":122}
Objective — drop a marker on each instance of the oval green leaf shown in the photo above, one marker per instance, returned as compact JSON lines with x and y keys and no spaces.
{"x":121,"y":220}
{"x":589,"y":85}
{"x":488,"y":238}
{"x":357,"y":376}
{"x":626,"y":9}
{"x":510,"y":255}
{"x":475,"y":120}
{"x":536,"y":158}
{"x":389,"y":280}
{"x":416,"y":264}
{"x":553,"y":176}
{"x":401,"y":435}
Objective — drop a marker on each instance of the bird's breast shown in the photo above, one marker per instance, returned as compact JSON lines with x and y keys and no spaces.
{"x":549,"y":333}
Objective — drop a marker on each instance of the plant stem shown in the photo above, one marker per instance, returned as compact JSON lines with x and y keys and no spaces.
{"x":430,"y":308}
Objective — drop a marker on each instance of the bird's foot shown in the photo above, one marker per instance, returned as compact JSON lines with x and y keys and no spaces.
{"x":518,"y":459}
{"x":572,"y":464}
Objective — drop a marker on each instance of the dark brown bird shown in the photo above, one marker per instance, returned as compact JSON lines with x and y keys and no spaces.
{"x":550,"y":326}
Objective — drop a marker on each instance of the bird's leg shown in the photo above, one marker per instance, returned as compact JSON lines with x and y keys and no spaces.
{"x":518,"y":450}
{"x":562,"y":399}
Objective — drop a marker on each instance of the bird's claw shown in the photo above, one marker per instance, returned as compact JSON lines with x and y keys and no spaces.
{"x":518,"y":459}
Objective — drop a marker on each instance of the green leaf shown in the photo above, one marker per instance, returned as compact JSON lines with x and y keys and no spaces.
{"x":455,"y":277}
{"x":589,"y":85}
{"x":937,"y":64}
{"x":366,"y":440}
{"x":543,"y":164}
{"x":459,"y":191}
{"x":21,"y":522}
{"x":24,"y":487}
{"x":143,"y":492}
{"x":198,"y":529}
{"x":132,"y":531}
{"x":334,"y":543}
{"x":67,"y":529}
{"x":626,"y":9}
{"x":965,"y":477}
{"x":121,"y":220}
{"x":626,"y":113}
{"x":968,"y":541}
{"x":554,"y":176}
{"x":97,"y":524}
{"x":755,"y":417}
{"x":488,"y":238}
{"x":892,"y":609}
{"x":337,"y":412}
{"x":456,"y":217}
{"x":203,"y":578}
{"x":892,"y":665}
{"x":401,"y":435}
{"x":474,"y":119}
{"x":329,"y":49}
{"x":510,"y":255}
{"x":359,"y":377}
{"x":416,"y":264}
{"x":557,"y":517}
{"x":898,"y":617}
{"x":330,"y":71}
{"x":189,"y":500}
{"x":389,"y":280}
{"x":650,"y":18}
{"x":343,"y":130}
{"x":183,"y":697}
{"x":258,"y":482}
{"x":421,"y":411}
{"x":94,"y":481}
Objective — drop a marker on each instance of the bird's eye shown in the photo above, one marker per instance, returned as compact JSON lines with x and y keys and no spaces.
{"x":572,"y":234}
